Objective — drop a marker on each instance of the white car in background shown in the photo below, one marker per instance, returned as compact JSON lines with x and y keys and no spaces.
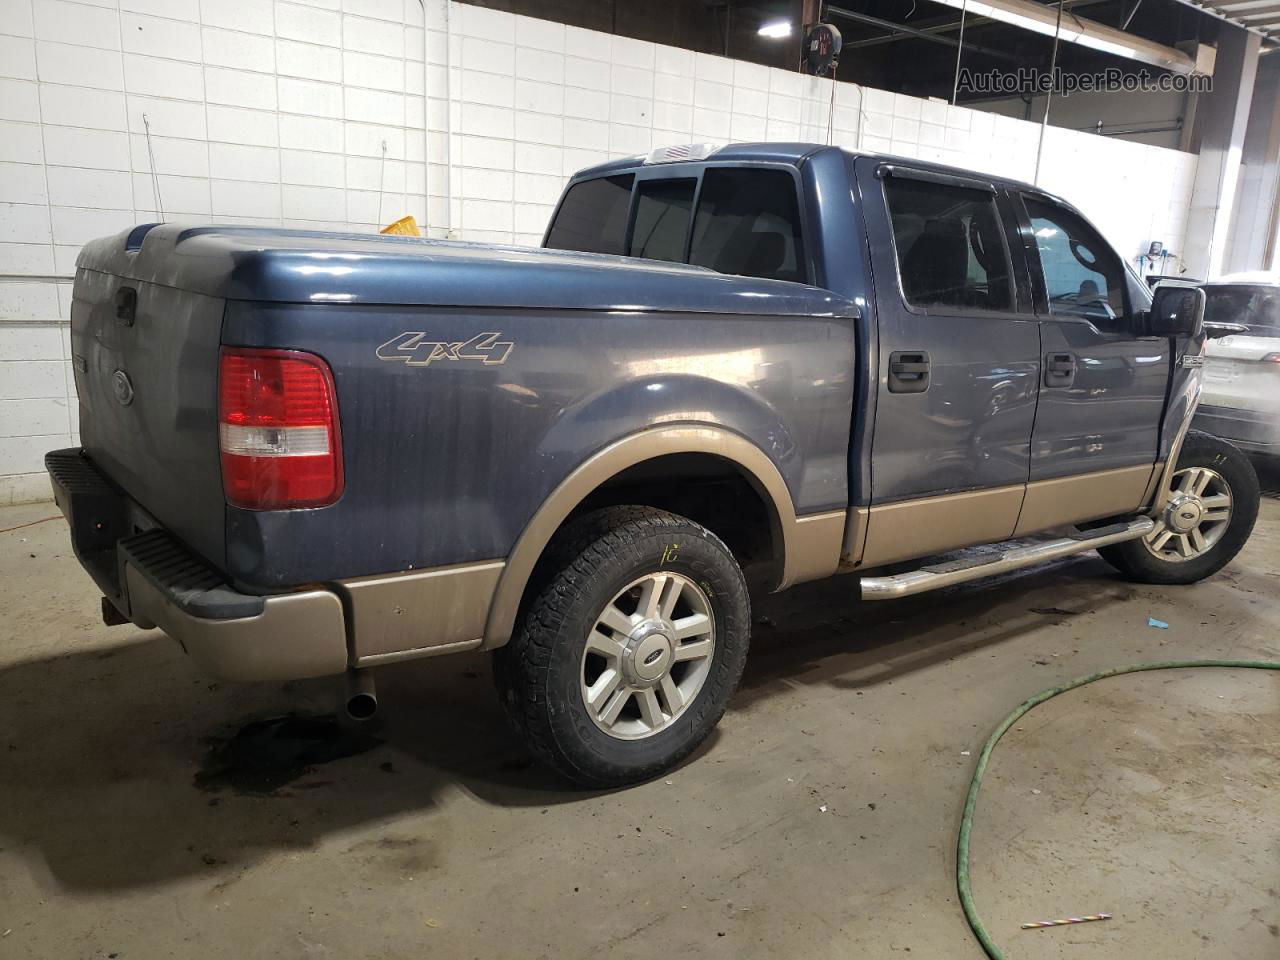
{"x":1240,"y":401}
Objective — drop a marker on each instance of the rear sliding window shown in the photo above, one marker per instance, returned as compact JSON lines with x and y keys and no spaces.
{"x":748,"y":223}
{"x":593,"y":216}
{"x":662,"y":219}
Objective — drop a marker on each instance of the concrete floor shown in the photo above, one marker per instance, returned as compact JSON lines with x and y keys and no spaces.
{"x":818,"y":822}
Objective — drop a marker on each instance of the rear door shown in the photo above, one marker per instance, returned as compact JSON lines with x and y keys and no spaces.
{"x":1102,"y":387}
{"x":958,"y":366}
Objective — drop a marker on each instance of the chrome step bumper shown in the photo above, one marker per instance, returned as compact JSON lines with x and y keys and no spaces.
{"x":152,"y":579}
{"x":1015,"y":558}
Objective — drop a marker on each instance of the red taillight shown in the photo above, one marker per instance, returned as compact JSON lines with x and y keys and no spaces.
{"x":278,"y":429}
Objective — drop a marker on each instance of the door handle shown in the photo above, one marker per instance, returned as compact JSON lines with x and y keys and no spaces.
{"x":1059,"y":369}
{"x":908,"y":371}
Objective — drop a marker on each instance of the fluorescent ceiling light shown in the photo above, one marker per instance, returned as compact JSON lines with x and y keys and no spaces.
{"x":775,"y":29}
{"x":1043,"y":19}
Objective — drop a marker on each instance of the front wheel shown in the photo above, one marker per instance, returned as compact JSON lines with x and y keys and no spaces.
{"x":625,"y":660}
{"x":1212,"y":507}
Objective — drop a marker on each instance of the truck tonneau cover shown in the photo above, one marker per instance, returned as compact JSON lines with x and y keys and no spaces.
{"x":303,"y":266}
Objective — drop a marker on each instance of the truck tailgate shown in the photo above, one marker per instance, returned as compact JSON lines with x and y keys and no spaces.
{"x":145,"y":358}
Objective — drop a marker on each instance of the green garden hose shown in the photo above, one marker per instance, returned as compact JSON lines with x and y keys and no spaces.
{"x":971,"y":800}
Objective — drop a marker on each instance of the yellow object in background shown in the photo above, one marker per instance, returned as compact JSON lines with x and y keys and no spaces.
{"x":404,"y":227}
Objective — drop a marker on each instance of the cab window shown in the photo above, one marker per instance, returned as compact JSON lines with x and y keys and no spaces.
{"x":1083,"y":276}
{"x":950,"y":249}
{"x":593,"y":216}
{"x":748,"y":223}
{"x":661,"y":229}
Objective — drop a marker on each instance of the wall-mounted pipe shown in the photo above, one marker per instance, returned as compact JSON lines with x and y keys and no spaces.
{"x":448,"y":119}
{"x":1103,"y":130}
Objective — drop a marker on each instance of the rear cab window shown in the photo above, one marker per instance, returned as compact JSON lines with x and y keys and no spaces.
{"x":735,"y":220}
{"x":661,"y":227}
{"x":592,"y":217}
{"x":748,"y":223}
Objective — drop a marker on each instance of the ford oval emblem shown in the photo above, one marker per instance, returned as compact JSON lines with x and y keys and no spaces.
{"x":122,"y":387}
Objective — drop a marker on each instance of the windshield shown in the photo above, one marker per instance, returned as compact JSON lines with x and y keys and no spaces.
{"x":1257,"y":307}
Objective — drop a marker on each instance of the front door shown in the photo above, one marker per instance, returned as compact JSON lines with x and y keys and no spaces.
{"x":958,"y":366}
{"x":1102,"y":388}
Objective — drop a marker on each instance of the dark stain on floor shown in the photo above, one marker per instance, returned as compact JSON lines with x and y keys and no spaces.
{"x":265,"y":755}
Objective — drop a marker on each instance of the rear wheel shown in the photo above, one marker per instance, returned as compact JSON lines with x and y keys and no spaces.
{"x":626,"y":658}
{"x":1209,"y":516}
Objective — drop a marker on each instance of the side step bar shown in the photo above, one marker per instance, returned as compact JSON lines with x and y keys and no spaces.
{"x":1015,"y":558}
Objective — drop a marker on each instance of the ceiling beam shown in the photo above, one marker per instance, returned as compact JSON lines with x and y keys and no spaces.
{"x":901,"y":30}
{"x":1236,"y":6}
{"x":1038,"y":18}
{"x":1229,"y":12}
{"x":969,"y":24}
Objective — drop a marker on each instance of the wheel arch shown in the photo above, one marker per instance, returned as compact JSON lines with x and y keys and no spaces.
{"x":805,"y":548}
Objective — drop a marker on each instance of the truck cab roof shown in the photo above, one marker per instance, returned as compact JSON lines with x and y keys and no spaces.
{"x":788,"y":153}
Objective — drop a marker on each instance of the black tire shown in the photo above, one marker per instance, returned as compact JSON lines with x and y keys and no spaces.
{"x":539,"y":673}
{"x":1137,"y":562}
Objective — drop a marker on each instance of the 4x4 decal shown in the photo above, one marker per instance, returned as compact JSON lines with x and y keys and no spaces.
{"x":417,"y":351}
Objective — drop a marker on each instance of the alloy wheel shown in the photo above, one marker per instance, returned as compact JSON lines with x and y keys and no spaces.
{"x":1195,"y":518}
{"x":648,"y":655}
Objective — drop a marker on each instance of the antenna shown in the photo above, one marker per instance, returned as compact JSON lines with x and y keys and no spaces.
{"x":382,"y":179}
{"x":155,"y":179}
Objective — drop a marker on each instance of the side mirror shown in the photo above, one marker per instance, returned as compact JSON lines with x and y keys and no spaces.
{"x":1176,"y":311}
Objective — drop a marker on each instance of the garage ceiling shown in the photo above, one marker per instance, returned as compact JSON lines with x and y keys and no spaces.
{"x":1044,"y":19}
{"x":1260,"y":16}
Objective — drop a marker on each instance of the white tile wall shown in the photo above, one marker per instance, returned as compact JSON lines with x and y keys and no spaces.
{"x":36,"y":414}
{"x":337,"y":113}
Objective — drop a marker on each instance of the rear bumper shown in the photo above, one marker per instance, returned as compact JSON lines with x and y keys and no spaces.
{"x":1247,"y":429}
{"x":155,"y":581}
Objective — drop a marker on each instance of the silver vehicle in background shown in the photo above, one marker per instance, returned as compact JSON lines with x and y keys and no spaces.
{"x":1240,"y":401}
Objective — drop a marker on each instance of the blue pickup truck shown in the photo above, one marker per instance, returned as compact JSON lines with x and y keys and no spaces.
{"x":729,"y":370}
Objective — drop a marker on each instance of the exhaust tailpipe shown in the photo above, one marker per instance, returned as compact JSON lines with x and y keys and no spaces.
{"x":362,"y":697}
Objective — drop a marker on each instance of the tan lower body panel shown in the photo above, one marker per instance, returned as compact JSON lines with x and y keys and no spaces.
{"x":1089,"y":496}
{"x":1153,"y":485}
{"x":855,"y":537}
{"x":390,"y":616}
{"x":813,"y":549}
{"x":417,"y":653}
{"x":929,"y":525}
{"x":404,"y":615}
